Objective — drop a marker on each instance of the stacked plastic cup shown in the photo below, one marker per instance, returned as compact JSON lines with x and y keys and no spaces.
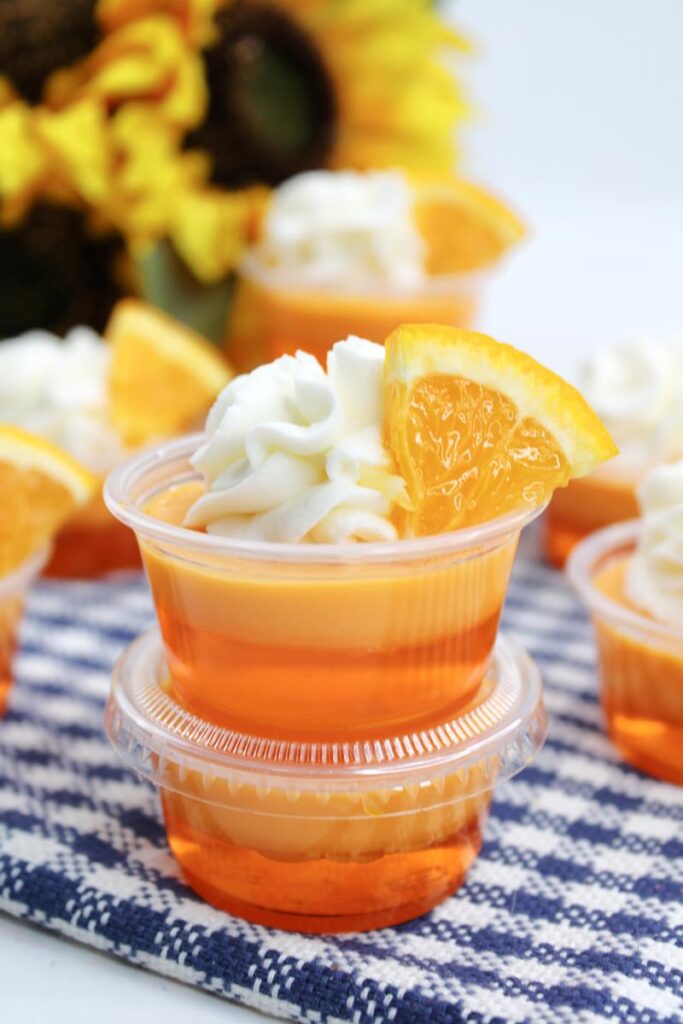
{"x":325,"y":724}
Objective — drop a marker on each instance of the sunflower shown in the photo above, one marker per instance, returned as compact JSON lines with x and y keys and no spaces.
{"x":300,"y":84}
{"x":159,"y":120}
{"x":66,"y":71}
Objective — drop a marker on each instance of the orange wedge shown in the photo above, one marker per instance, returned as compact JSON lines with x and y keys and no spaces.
{"x":41,"y":486}
{"x":163,"y":377}
{"x":479,"y":429}
{"x":464,"y":226}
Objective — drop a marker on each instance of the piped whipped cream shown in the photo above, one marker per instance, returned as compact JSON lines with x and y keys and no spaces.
{"x":58,"y":389}
{"x":637,"y":390}
{"x":295,"y":453}
{"x":655,"y":578}
{"x":344,"y":228}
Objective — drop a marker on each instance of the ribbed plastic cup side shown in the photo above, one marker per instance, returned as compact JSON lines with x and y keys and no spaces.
{"x":640,"y":659}
{"x":368,"y":639}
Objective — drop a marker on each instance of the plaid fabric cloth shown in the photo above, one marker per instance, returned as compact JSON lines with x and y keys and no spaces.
{"x":572,"y":913}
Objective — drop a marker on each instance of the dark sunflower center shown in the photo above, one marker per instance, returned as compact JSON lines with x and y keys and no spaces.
{"x":55,"y":274}
{"x":39,"y":36}
{"x":272,"y":107}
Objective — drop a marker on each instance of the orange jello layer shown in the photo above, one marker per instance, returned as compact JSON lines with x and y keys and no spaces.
{"x":269,"y":322}
{"x":582,"y":507}
{"x":642,"y":687}
{"x":318,"y":894}
{"x":93,"y":543}
{"x":326,"y":860}
{"x":11,"y":611}
{"x":312,"y":651}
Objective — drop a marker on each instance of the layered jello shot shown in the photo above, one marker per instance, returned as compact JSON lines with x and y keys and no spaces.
{"x":99,"y":399}
{"x":361,"y":252}
{"x":333,"y":836}
{"x":631,"y":577}
{"x":328,"y":563}
{"x":41,"y":488}
{"x":637,"y":390}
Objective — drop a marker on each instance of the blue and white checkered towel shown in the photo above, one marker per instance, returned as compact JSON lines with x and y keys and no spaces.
{"x":573,"y":912}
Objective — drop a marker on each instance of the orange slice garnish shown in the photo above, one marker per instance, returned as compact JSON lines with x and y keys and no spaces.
{"x":464,"y":226}
{"x":479,"y":429}
{"x":164,"y":376}
{"x":41,"y":486}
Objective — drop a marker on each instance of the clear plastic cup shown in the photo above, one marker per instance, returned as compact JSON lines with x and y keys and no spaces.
{"x":325,"y":837}
{"x":13,"y":591}
{"x":275,"y":314}
{"x":640,"y":658}
{"x":313,"y":641}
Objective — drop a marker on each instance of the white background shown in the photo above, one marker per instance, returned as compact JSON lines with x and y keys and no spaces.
{"x":581,"y":124}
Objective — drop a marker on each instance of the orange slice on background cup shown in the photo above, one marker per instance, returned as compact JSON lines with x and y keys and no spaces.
{"x":163,"y":377}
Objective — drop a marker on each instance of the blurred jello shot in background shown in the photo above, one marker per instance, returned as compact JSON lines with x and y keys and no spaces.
{"x":41,"y":488}
{"x":637,"y":390}
{"x":631,"y":577}
{"x":345,"y":252}
{"x":99,"y":399}
{"x":328,"y":564}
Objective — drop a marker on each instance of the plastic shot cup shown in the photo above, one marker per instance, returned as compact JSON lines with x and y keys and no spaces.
{"x":312,"y":641}
{"x":333,"y":836}
{"x":275,"y":314}
{"x":13,"y":590}
{"x":640,"y":658}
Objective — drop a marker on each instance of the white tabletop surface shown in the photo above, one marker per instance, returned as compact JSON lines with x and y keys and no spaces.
{"x":580,"y":125}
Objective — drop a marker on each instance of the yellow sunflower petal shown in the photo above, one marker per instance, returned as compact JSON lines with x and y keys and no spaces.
{"x":147,"y":59}
{"x":194,"y":17}
{"x":398,"y":104}
{"x":22,"y":162}
{"x":78,"y":145}
{"x":210,"y":231}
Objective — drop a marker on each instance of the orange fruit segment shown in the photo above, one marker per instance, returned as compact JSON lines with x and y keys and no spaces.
{"x":464,"y":226}
{"x":479,"y":429}
{"x":41,"y":486}
{"x":163,"y":375}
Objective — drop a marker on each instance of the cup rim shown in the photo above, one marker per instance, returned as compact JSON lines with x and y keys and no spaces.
{"x":580,"y":569}
{"x":20,"y":579}
{"x":121,"y":479}
{"x":150,"y":729}
{"x":252,"y":268}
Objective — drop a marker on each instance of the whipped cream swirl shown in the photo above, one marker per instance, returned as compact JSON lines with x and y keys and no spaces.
{"x":59,"y":389}
{"x":295,"y":453}
{"x":655,"y":578}
{"x":344,"y":229}
{"x":637,"y":390}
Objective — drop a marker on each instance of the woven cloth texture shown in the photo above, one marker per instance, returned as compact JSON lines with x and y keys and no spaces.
{"x":572,"y":913}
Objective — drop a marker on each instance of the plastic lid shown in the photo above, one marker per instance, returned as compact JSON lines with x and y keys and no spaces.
{"x":500,"y":734}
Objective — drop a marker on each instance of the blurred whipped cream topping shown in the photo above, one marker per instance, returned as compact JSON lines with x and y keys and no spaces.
{"x":58,"y":389}
{"x":636,"y":388}
{"x":655,"y":578}
{"x":344,"y":229}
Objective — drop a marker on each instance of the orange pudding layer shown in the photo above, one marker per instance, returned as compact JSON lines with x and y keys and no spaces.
{"x":269,"y":322}
{"x":318,"y":651}
{"x":11,"y":611}
{"x":642,"y":687}
{"x":93,"y":543}
{"x":582,"y":507}
{"x":326,"y":861}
